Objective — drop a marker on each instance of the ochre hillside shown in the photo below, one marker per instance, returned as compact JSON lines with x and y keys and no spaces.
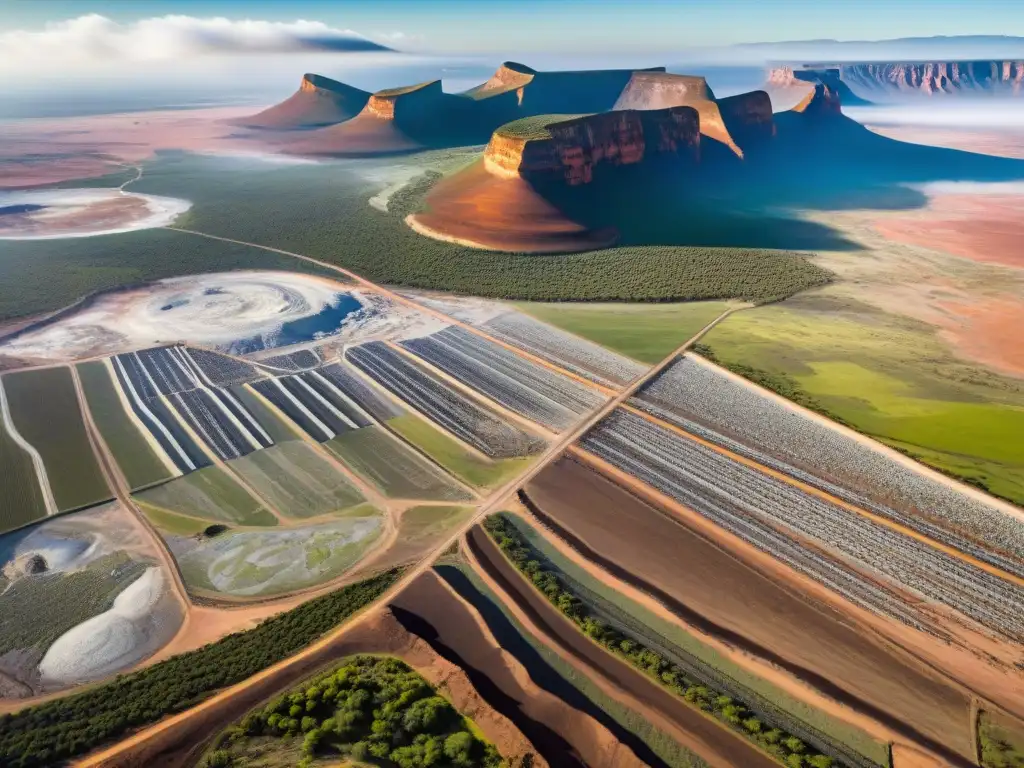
{"x":319,"y":101}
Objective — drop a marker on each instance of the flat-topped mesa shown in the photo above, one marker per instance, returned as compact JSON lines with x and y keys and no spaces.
{"x":411,"y":101}
{"x":798,"y":81}
{"x":660,"y":90}
{"x":822,"y":101}
{"x":510,"y":76}
{"x":748,"y":118}
{"x":996,"y":77}
{"x":573,"y":148}
{"x":320,"y":101}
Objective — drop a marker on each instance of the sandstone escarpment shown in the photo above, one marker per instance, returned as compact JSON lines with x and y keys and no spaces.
{"x":510,"y":76}
{"x":572,"y":150}
{"x":937,"y":77}
{"x":319,"y":101}
{"x":822,"y":101}
{"x":791,"y":85}
{"x":660,"y":90}
{"x":748,"y":119}
{"x":414,"y":101}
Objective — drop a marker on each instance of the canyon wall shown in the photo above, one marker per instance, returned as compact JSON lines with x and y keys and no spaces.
{"x":413,"y":102}
{"x":576,"y":148}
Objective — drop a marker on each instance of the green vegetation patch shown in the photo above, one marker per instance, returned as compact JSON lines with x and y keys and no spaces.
{"x":44,"y":409}
{"x":370,"y":709}
{"x":297,"y":481}
{"x":392,"y":467}
{"x":886,"y":377}
{"x":644,"y":332}
{"x":54,"y":732}
{"x":172,"y":522}
{"x":428,"y":522}
{"x":210,"y":494}
{"x":1002,"y":744}
{"x":601,"y":597}
{"x":21,"y":497}
{"x":697,"y":693}
{"x":535,"y":127}
{"x":134,"y":455}
{"x":450,"y":454}
{"x":660,"y":743}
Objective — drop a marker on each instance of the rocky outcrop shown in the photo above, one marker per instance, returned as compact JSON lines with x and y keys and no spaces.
{"x":791,"y":85}
{"x":887,"y":80}
{"x":510,"y":76}
{"x":660,"y":90}
{"x":574,"y":149}
{"x":748,"y":119}
{"x":821,"y":102}
{"x":319,"y":101}
{"x":411,"y":102}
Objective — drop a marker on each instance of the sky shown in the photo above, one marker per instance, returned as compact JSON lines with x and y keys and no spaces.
{"x":252,"y":50}
{"x":475,"y":27}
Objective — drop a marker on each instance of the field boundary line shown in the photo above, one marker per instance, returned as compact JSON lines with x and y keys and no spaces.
{"x":489,"y":505}
{"x":37,"y":459}
{"x":829,"y":498}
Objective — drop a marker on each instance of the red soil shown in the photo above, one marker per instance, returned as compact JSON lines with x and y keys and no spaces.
{"x":1004,"y":143}
{"x":475,"y":208}
{"x":710,"y":739}
{"x":989,"y":332}
{"x":364,"y":134}
{"x":726,"y":598}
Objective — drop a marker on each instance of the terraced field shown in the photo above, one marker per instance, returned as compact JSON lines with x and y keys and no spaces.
{"x":711,"y":404}
{"x":776,"y":517}
{"x":436,"y":400}
{"x":21,"y":496}
{"x":565,"y":350}
{"x":44,"y":410}
{"x":394,"y":469}
{"x":515,"y":382}
{"x":297,"y":482}
{"x":275,"y":561}
{"x":133,"y":453}
{"x":208,"y":494}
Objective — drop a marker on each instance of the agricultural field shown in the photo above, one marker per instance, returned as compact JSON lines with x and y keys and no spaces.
{"x":44,"y":410}
{"x":452,"y":455}
{"x":604,"y":599}
{"x":221,"y":370}
{"x":421,"y":727}
{"x":21,"y":496}
{"x":219,"y":430}
{"x":1001,"y":741}
{"x":208,"y":494}
{"x":573,"y":353}
{"x":753,"y":611}
{"x":707,"y":402}
{"x":522,"y":386}
{"x":297,"y":482}
{"x":300,"y":403}
{"x":273,"y":425}
{"x":269,"y":562}
{"x":83,"y":596}
{"x":453,"y":411}
{"x":778,"y":517}
{"x":329,"y":393}
{"x":470,"y":618}
{"x":912,"y":392}
{"x":644,"y":332}
{"x":393,"y":468}
{"x":684,"y":674}
{"x":376,"y":405}
{"x":133,"y":453}
{"x":292,"y":362}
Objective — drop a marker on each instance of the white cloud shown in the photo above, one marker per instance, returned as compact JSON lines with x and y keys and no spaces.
{"x":96,"y":40}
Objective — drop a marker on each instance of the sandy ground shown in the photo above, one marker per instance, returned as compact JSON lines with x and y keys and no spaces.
{"x":1005,"y":142}
{"x":477,"y":209}
{"x":710,"y":739}
{"x":46,"y":151}
{"x":751,"y":610}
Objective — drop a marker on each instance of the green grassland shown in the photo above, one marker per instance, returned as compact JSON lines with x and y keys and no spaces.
{"x":44,"y":409}
{"x":646,"y":621}
{"x":663,"y":745}
{"x":889,"y":378}
{"x":278,"y":430}
{"x":1002,"y":744}
{"x":393,"y":468}
{"x":534,"y":127}
{"x":133,"y":454}
{"x":172,"y":522}
{"x":296,"y":481}
{"x":21,"y":498}
{"x":449,"y":453}
{"x":367,"y":708}
{"x":53,"y":732}
{"x":644,"y":332}
{"x":209,"y":494}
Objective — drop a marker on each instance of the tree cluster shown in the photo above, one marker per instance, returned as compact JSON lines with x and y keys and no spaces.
{"x":53,"y":732}
{"x":371,"y":709}
{"x":788,"y":748}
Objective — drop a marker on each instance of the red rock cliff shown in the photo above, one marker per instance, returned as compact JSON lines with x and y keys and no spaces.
{"x":411,"y":101}
{"x":937,"y":77}
{"x":822,"y":101}
{"x":576,"y":148}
